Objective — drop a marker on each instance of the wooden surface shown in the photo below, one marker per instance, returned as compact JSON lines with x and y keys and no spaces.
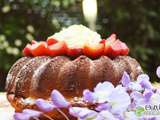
{"x":6,"y":110}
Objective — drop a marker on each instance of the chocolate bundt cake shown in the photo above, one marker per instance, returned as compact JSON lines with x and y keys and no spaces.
{"x":47,"y":66}
{"x":36,"y":77}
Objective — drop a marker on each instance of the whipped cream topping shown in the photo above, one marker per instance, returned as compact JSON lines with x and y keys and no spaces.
{"x":77,"y":35}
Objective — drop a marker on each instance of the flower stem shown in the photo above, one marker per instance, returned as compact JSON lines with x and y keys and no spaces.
{"x":48,"y":117}
{"x":35,"y":118}
{"x":62,"y":113}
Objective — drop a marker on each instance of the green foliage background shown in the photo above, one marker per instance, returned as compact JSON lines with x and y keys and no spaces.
{"x":135,"y":21}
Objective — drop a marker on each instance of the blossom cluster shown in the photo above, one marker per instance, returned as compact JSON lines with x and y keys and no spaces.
{"x":129,"y":100}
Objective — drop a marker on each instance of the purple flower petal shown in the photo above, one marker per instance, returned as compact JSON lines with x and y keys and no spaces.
{"x":143,"y":77}
{"x":138,"y":99}
{"x":120,"y":100}
{"x":119,"y":117}
{"x":82,"y":113}
{"x":106,"y":115}
{"x":134,"y":86}
{"x":44,"y":105}
{"x":26,"y":114}
{"x":104,"y":106}
{"x":32,"y":113}
{"x":99,"y":117}
{"x":135,"y":95}
{"x":158,"y":72}
{"x":132,"y":106}
{"x":153,"y":118}
{"x":102,"y":91}
{"x":147,"y":95}
{"x":104,"y":87}
{"x":74,"y":111}
{"x":125,"y":79}
{"x":130,"y":116}
{"x":88,"y":96}
{"x":121,"y":88}
{"x":143,"y":80}
{"x":59,"y":100}
{"x":149,"y":118}
{"x":21,"y":116}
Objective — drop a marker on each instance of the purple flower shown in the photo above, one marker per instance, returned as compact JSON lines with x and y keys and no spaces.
{"x":158,"y":72}
{"x":32,"y":112}
{"x":59,"y":100}
{"x":103,"y":106}
{"x":119,"y":117}
{"x":82,"y":113}
{"x":149,"y":118}
{"x":134,"y":86}
{"x":135,"y":95}
{"x":27,"y":114}
{"x":119,"y":100}
{"x":103,"y":87}
{"x":21,"y":116}
{"x":44,"y":105}
{"x":138,"y":99}
{"x":153,"y":118}
{"x":130,"y":116}
{"x":125,"y":79}
{"x":141,"y":99}
{"x":102,"y":91}
{"x":143,"y":80}
{"x":147,"y":95}
{"x":106,"y":115}
{"x":89,"y":96}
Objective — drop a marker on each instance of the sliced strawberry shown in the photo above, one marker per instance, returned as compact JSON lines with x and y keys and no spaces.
{"x":110,"y":40}
{"x":93,"y":50}
{"x":107,"y":49}
{"x":116,"y":48}
{"x":39,"y":49}
{"x":51,"y":41}
{"x":125,"y":49}
{"x":74,"y":52}
{"x":58,"y":48}
{"x":27,"y":50}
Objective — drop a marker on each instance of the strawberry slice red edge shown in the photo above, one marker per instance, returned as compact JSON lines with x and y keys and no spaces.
{"x":111,"y":47}
{"x":93,"y":50}
{"x":58,"y":48}
{"x":74,"y":52}
{"x":27,"y":50}
{"x":115,"y":48}
{"x":125,"y":49}
{"x":39,"y":49}
{"x":108,"y":42}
